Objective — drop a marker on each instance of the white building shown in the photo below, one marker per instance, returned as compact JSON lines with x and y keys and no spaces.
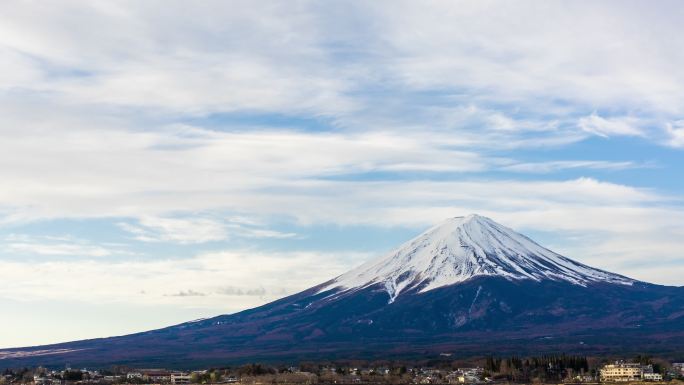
{"x":678,"y":367}
{"x":624,"y":372}
{"x":180,"y":378}
{"x":134,"y":375}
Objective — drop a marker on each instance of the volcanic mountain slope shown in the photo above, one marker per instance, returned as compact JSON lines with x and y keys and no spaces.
{"x":468,"y":285}
{"x":462,"y":248}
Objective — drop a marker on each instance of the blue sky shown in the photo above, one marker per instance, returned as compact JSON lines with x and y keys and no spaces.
{"x":162,"y":162}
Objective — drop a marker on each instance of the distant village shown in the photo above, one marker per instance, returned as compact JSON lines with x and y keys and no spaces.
{"x":495,"y":371}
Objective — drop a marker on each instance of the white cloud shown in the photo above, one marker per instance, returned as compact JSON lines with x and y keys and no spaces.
{"x":151,"y":175}
{"x":21,"y":244}
{"x":391,"y":203}
{"x":222,"y":281}
{"x":676,"y":133}
{"x":330,"y":61}
{"x":217,"y":59}
{"x":190,"y":230}
{"x":497,"y":51}
{"x":263,"y":233}
{"x":58,"y":249}
{"x":184,"y":231}
{"x":127,"y":171}
{"x":107,"y":98}
{"x":551,"y":166}
{"x":623,"y":126}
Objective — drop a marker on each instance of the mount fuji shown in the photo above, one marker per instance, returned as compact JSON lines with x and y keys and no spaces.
{"x":463,"y":248}
{"x":468,"y":286}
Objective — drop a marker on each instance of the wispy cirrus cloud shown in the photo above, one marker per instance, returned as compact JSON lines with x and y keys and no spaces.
{"x":190,"y":169}
{"x":64,"y":246}
{"x":62,"y":249}
{"x":193,"y":230}
{"x":329,"y":66}
{"x":551,"y":166}
{"x":606,"y":127}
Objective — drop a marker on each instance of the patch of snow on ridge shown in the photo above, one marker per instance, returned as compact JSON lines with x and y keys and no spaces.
{"x":10,"y":354}
{"x":465,"y":247}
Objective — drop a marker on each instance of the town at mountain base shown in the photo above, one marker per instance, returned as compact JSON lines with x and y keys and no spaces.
{"x":547,"y":369}
{"x":469,"y":287}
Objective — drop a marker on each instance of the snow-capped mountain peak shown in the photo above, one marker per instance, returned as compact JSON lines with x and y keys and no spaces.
{"x":461,"y":248}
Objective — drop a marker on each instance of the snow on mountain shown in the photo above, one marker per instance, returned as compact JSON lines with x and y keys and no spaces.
{"x":465,"y":247}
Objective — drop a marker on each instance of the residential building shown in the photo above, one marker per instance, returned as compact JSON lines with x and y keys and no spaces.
{"x":180,"y":378}
{"x":622,"y":372}
{"x":134,"y":375}
{"x":652,"y":377}
{"x":678,"y":367}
